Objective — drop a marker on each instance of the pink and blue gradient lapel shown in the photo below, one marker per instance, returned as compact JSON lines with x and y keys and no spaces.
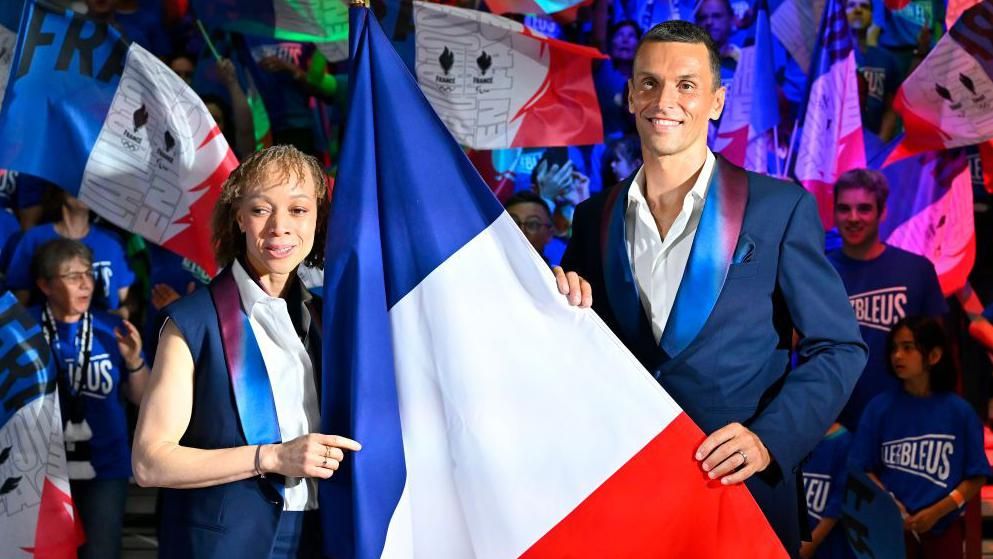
{"x":710,"y":257}
{"x":246,"y":368}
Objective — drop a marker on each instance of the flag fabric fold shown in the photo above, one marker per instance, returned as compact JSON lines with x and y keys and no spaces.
{"x":947,"y":101}
{"x":310,"y":21}
{"x":130,"y":138}
{"x":559,"y":444}
{"x":745,"y":135}
{"x":530,"y":6}
{"x":497,"y":84}
{"x":39,"y":518}
{"x":831,"y":141}
{"x":930,"y":211}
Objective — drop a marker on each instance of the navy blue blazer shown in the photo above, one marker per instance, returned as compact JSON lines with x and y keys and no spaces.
{"x":756,"y":272}
{"x":236,"y":519}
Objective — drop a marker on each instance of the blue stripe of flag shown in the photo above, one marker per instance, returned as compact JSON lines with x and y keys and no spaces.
{"x":59,"y":93}
{"x":406,"y":198}
{"x":765,"y":103}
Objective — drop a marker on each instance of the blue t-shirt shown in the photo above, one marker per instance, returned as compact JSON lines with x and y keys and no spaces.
{"x":103,"y":401}
{"x":900,"y":27}
{"x":824,"y":476}
{"x":881,"y":71}
{"x":110,"y":267}
{"x":287,"y":103}
{"x":921,"y":448}
{"x":894,"y":285}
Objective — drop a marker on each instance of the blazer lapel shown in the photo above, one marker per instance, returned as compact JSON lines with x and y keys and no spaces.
{"x":622,"y":291}
{"x":710,"y":257}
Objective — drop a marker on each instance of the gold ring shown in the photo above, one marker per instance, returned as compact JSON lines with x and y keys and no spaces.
{"x":327,"y":451}
{"x":744,"y":459}
{"x":324,"y":463}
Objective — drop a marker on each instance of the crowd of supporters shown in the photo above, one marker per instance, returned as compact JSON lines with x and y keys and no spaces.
{"x":64,"y":262}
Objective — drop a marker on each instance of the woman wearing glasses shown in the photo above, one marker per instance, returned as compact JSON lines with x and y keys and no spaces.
{"x":99,"y":361}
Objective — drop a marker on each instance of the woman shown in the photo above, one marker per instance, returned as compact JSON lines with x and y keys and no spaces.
{"x":241,"y":472}
{"x":99,"y":360}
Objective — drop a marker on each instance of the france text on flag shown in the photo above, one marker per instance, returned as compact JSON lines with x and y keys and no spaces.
{"x":558,"y":444}
{"x":831,"y":141}
{"x":530,"y":6}
{"x":930,"y":211}
{"x":39,"y":519}
{"x":745,"y":134}
{"x":497,"y":84}
{"x":948,"y":100}
{"x":115,"y":127}
{"x":310,"y":21}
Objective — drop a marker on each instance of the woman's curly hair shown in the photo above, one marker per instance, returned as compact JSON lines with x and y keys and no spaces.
{"x":271,"y":165}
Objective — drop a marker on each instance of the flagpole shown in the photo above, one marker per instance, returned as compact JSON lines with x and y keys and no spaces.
{"x":206,"y":38}
{"x":789,"y":151}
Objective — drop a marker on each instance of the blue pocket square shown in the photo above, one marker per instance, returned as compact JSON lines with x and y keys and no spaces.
{"x":744,"y":251}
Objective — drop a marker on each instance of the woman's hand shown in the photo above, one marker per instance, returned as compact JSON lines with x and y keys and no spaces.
{"x":312,"y":455}
{"x":129,"y":343}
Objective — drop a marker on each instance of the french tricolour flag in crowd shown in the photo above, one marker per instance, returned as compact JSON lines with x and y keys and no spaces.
{"x":114,"y":126}
{"x":39,"y":519}
{"x":497,"y":84}
{"x":831,"y":141}
{"x":752,"y":112}
{"x":312,"y":21}
{"x":530,"y":6}
{"x":496,"y":421}
{"x":948,"y":100}
{"x":322,"y":22}
{"x":929,"y":211}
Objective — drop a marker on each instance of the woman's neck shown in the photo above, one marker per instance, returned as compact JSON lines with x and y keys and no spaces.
{"x":64,"y":316}
{"x":274,"y":285}
{"x":74,"y":224}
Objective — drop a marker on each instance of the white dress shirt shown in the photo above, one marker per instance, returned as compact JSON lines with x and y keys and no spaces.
{"x":657,"y":264}
{"x":291,"y":375}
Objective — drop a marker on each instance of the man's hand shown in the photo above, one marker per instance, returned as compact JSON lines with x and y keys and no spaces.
{"x":577,"y":290}
{"x":733,"y":454}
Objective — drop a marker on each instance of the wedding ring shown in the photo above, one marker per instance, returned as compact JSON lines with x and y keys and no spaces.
{"x":744,"y":459}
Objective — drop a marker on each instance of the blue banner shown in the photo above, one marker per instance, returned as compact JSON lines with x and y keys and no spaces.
{"x":26,"y":368}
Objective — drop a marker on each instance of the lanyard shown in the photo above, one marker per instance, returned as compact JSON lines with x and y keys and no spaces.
{"x":72,"y":387}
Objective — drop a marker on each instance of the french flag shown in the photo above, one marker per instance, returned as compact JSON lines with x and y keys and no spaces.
{"x":39,"y":518}
{"x":530,"y":6}
{"x":752,"y":111}
{"x":112,"y":125}
{"x":498,"y":84}
{"x":947,"y":101}
{"x":496,"y":420}
{"x":312,"y":21}
{"x":831,"y":141}
{"x":930,"y":211}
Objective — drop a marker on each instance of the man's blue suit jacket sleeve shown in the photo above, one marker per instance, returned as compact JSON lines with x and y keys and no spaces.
{"x":830,"y":350}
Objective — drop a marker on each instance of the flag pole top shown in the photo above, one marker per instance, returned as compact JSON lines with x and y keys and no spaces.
{"x":359,"y":3}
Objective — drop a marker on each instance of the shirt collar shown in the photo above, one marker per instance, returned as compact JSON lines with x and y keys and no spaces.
{"x":249,"y":291}
{"x":636,"y":194}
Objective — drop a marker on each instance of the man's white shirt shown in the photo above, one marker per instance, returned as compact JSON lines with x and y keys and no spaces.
{"x":658,"y":264}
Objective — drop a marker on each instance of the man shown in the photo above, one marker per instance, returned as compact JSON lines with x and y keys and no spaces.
{"x":717,"y":18}
{"x":704,"y":270}
{"x":530,"y":212}
{"x":878,"y":71}
{"x":884,"y":283}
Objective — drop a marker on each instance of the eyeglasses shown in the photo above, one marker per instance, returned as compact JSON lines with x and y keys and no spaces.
{"x":532,"y":226}
{"x":76,"y":278}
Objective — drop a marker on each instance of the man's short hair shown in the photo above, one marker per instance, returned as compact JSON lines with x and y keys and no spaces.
{"x":864,"y":179}
{"x":527,"y":197}
{"x":51,"y":255}
{"x":677,"y":31}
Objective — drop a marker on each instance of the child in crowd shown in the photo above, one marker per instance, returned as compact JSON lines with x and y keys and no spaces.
{"x":824,"y":478}
{"x":99,"y":361}
{"x":923,"y":444}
